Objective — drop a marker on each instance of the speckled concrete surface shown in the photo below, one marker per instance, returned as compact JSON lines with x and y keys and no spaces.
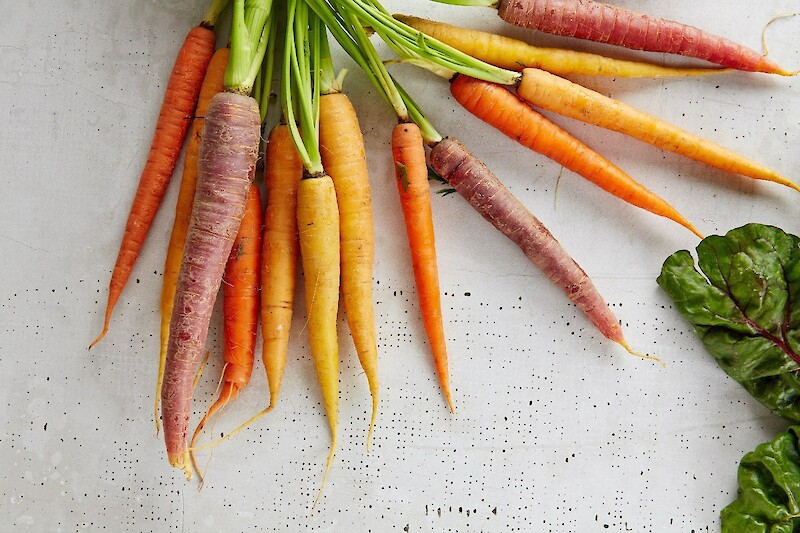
{"x":556,"y":429}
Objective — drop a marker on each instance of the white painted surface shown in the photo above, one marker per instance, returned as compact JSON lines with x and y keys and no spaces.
{"x":557,"y":429}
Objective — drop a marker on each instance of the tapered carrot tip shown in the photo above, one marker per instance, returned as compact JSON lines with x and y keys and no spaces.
{"x":183,"y":461}
{"x":325,"y":474}
{"x":372,"y":421}
{"x":99,"y":337}
{"x":448,"y":397}
{"x":631,"y":351}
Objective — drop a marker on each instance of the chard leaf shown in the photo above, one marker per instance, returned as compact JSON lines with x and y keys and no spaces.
{"x":769,"y":489}
{"x":744,"y":304}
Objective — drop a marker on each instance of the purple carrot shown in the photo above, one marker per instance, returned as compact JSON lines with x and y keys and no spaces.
{"x":587,"y":19}
{"x":484,"y":191}
{"x":227,"y":161}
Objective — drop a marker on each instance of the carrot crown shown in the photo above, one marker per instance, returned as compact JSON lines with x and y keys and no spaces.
{"x":300,"y":82}
{"x":249,"y":37}
{"x":351,"y":36}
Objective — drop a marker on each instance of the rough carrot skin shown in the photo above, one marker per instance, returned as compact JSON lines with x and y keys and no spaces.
{"x":511,"y":115}
{"x":213,"y":83}
{"x":487,"y":195}
{"x":586,"y":19}
{"x":411,"y":172}
{"x":514,"y":54}
{"x":342,"y":149}
{"x":228,"y":154}
{"x":564,"y":97}
{"x":240,"y":290}
{"x":318,"y":224}
{"x":180,"y":99}
{"x":280,"y":250}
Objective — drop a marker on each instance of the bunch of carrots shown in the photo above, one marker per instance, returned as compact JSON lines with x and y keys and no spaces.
{"x":318,"y":202}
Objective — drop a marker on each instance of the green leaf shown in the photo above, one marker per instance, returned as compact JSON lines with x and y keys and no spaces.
{"x":744,"y":304}
{"x":433,"y":176}
{"x":769,"y":489}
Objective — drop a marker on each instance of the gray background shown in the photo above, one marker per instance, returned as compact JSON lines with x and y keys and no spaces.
{"x":556,"y":430}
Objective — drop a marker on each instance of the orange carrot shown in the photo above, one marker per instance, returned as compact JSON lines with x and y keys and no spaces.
{"x":283,"y":170}
{"x":240,"y":309}
{"x":180,"y":99}
{"x":412,"y":183}
{"x":508,"y":113}
{"x":342,"y":149}
{"x":561,"y":96}
{"x":212,"y":84}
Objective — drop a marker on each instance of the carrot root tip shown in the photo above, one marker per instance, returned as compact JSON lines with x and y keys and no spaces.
{"x":641,"y":355}
{"x":182,"y":461}
{"x":99,"y":337}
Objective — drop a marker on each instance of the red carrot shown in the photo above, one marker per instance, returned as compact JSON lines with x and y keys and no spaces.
{"x":587,"y":19}
{"x":228,"y":154}
{"x":174,"y":119}
{"x":487,"y":195}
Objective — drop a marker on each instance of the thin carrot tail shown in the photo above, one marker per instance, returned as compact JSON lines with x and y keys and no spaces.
{"x":777,"y":69}
{"x":444,"y":382}
{"x":235,"y":431}
{"x":328,"y":464}
{"x":229,"y":391}
{"x":631,"y":351}
{"x":372,"y":419}
{"x":106,"y":321}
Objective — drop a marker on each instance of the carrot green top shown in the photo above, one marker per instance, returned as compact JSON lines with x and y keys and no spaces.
{"x":249,"y":37}
{"x":418,"y":47}
{"x":347,"y":29}
{"x":300,"y":82}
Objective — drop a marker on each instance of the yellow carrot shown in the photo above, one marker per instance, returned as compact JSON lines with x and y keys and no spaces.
{"x":561,"y":96}
{"x":318,"y":224}
{"x":342,"y":150}
{"x":514,"y":54}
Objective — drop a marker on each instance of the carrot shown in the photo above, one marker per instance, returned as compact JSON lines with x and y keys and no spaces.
{"x":318,"y":223}
{"x":228,"y":154}
{"x":306,"y":68}
{"x":561,"y":96}
{"x":212,"y":84}
{"x":508,"y":113}
{"x":412,"y":184}
{"x":283,"y":170}
{"x":487,"y":195}
{"x":587,"y":19}
{"x":180,"y":99}
{"x":227,"y":161}
{"x":514,"y":54}
{"x":240,"y":308}
{"x":343,"y":158}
